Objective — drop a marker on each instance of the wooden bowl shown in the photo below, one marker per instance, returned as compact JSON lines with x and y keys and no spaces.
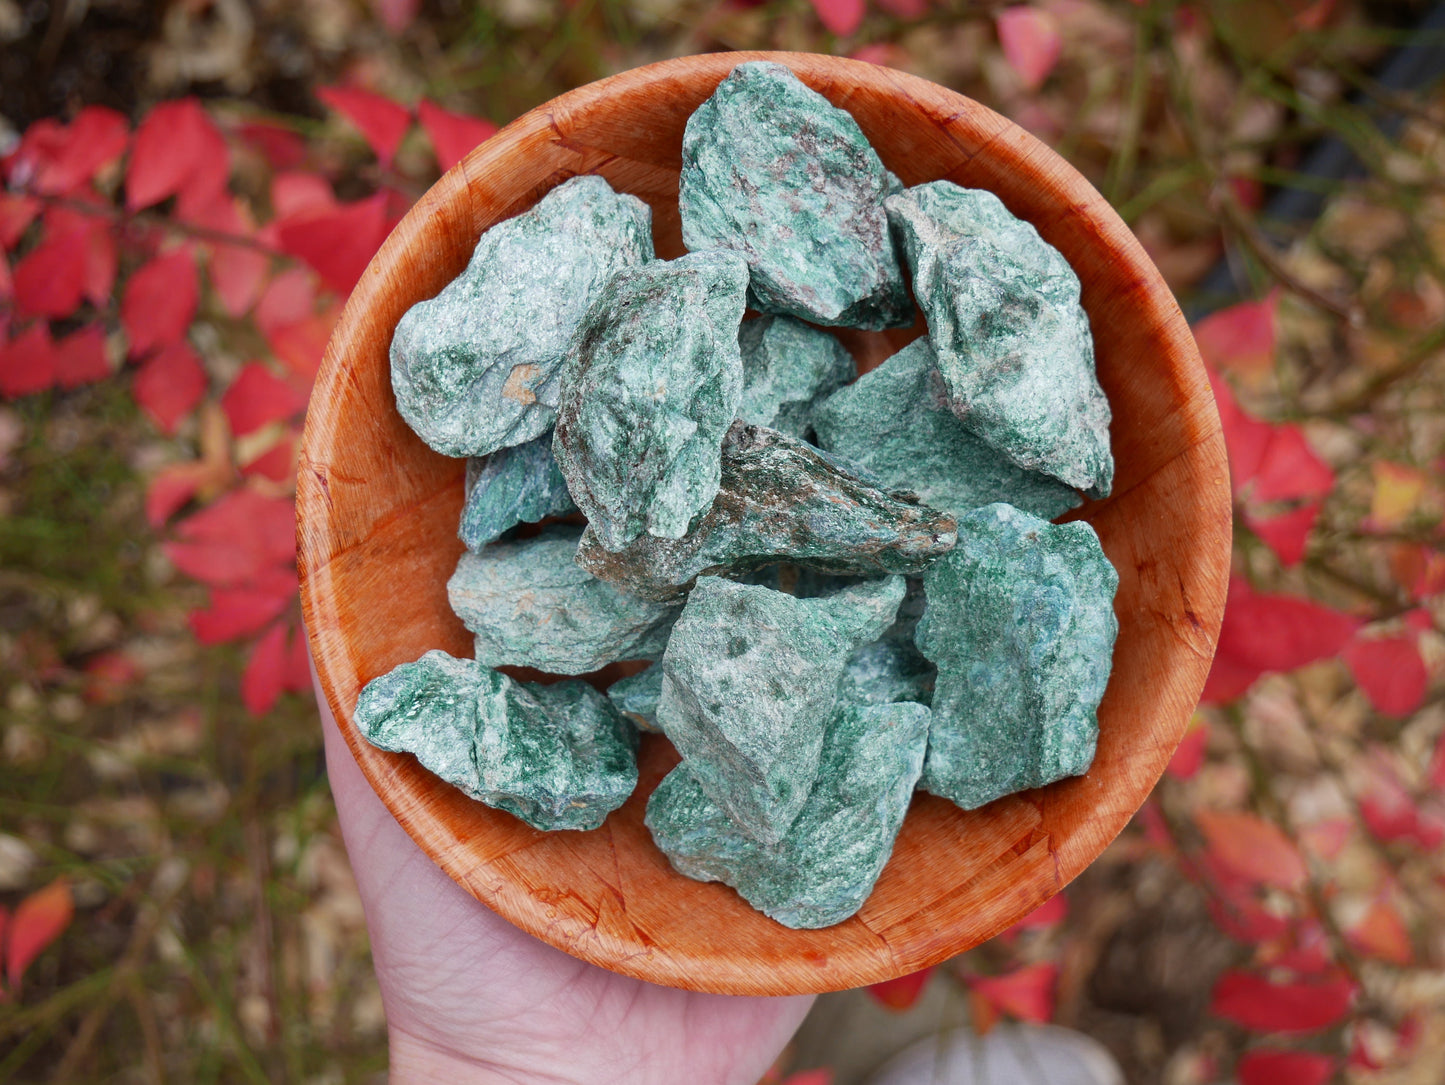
{"x":378,"y":513}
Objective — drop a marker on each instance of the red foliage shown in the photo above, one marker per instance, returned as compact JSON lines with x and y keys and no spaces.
{"x":50,"y":278}
{"x":1392,"y":813}
{"x":27,"y":362}
{"x":108,"y":676}
{"x":80,"y":357}
{"x":17,"y":212}
{"x":178,"y":152}
{"x":55,"y":159}
{"x":1258,"y":1004}
{"x":381,"y":121}
{"x":169,"y":385}
{"x":338,"y":242}
{"x":39,"y":920}
{"x":1189,"y":755}
{"x":1241,"y":338}
{"x":452,"y":135}
{"x":901,"y":993}
{"x":1285,"y":1068}
{"x":159,"y":302}
{"x":841,"y":17}
{"x":257,"y":397}
{"x":1031,"y":42}
{"x":396,"y":15}
{"x":1381,"y":933}
{"x":1251,"y":848}
{"x":239,"y":612}
{"x":1391,"y":672}
{"x":265,"y":674}
{"x":1027,"y":993}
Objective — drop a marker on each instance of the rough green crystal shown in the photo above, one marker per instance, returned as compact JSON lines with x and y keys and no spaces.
{"x":788,"y":367}
{"x":478,"y":367}
{"x":1020,"y":621}
{"x":520,"y":484}
{"x":558,"y":756}
{"x":773,"y":170}
{"x":1014,"y":347}
{"x":651,"y":390}
{"x":749,"y":681}
{"x":529,"y":604}
{"x":895,"y":421}
{"x":822,"y":871}
{"x":636,"y":697}
{"x":780,"y":500}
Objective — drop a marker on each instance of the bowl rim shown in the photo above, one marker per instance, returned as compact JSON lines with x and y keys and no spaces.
{"x":317,"y":544}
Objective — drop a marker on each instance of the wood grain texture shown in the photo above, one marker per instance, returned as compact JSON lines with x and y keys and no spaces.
{"x":377,"y":515}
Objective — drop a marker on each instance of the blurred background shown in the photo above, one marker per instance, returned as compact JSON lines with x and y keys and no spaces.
{"x":192,"y":187}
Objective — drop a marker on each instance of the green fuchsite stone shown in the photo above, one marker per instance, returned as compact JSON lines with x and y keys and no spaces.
{"x":530,"y":605}
{"x":771,"y":169}
{"x":823,"y":869}
{"x":895,"y":421}
{"x":520,"y":484}
{"x":557,"y":756}
{"x":652,"y":388}
{"x":749,"y":681}
{"x":1014,"y":347}
{"x":788,"y":367}
{"x":780,"y":500}
{"x":1020,"y":621}
{"x":478,"y":367}
{"x":636,"y":697}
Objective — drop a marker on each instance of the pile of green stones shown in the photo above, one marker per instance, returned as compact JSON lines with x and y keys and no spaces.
{"x":846,"y":588}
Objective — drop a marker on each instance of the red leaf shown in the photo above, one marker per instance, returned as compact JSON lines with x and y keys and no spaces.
{"x":1326,"y":838}
{"x":1285,"y":1068}
{"x":160,"y":301}
{"x":293,"y":194}
{"x":1381,"y":933}
{"x":1391,"y":813}
{"x":38,"y":921}
{"x":340,"y":243}
{"x":237,"y":274}
{"x":266,"y":526}
{"x":239,"y":612}
{"x":300,"y":346}
{"x":98,"y":245}
{"x":1418,"y":569}
{"x":257,"y":397}
{"x":1281,"y":632}
{"x":169,"y":385}
{"x":16,"y":214}
{"x":1391,"y":672}
{"x":277,"y":463}
{"x":1286,"y":534}
{"x":27,"y":362}
{"x":1241,"y":338}
{"x":1189,"y":755}
{"x":56,"y":159}
{"x":298,"y":663}
{"x":1242,"y":919}
{"x":1031,"y":42}
{"x":80,"y":357}
{"x":820,"y":1076}
{"x":1255,"y":1003}
{"x":178,"y":151}
{"x":282,"y":148}
{"x":219,"y":564}
{"x":1048,"y":914}
{"x":840,"y":17}
{"x":50,"y":278}
{"x":108,"y":676}
{"x":265,"y":674}
{"x":380,"y":120}
{"x":289,"y":298}
{"x":1289,"y":469}
{"x":901,"y":993}
{"x":1027,"y":994}
{"x":173,"y":487}
{"x":1251,"y":848}
{"x":452,"y":135}
{"x":396,"y":15}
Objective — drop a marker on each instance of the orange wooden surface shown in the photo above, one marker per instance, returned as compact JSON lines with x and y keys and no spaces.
{"x":377,"y":515}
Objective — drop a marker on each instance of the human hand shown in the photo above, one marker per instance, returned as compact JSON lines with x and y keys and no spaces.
{"x":471,"y":998}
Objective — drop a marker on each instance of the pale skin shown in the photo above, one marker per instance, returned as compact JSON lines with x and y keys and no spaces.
{"x":471,"y":999}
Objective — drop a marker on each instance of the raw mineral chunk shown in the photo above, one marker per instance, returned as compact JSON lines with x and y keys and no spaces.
{"x":530,"y":605}
{"x":749,"y":681}
{"x":895,"y":421}
{"x":636,"y":697}
{"x":1014,"y":347}
{"x":1020,"y":621}
{"x":651,"y":390}
{"x":890,"y":669}
{"x":516,"y":485}
{"x":822,"y":871}
{"x":558,"y":756}
{"x":788,"y":367}
{"x":780,"y":500}
{"x":774,"y":171}
{"x":478,"y":367}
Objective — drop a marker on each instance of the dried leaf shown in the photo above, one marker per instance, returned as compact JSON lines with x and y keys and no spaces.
{"x":1031,"y":42}
{"x":1398,"y":490}
{"x":160,"y":302}
{"x":1419,"y":569}
{"x":901,"y":993}
{"x":27,"y":362}
{"x":39,"y":920}
{"x":177,"y":151}
{"x":452,"y":135}
{"x":1027,"y":993}
{"x":1252,"y":848}
{"x":382,"y":122}
{"x":1391,"y":672}
{"x":257,"y":397}
{"x":265,"y":677}
{"x":1240,"y":339}
{"x":1381,"y":933}
{"x":169,"y":384}
{"x":1255,"y":1003}
{"x":1285,"y":1068}
{"x":338,"y":243}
